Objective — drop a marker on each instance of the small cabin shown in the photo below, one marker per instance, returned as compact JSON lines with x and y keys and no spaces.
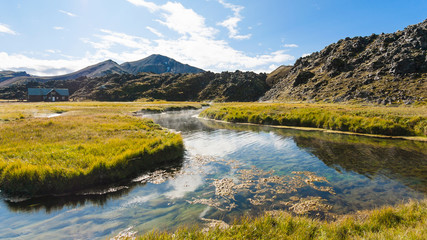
{"x":47,"y":94}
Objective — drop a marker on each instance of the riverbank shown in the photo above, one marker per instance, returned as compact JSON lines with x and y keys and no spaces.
{"x":374,"y":120}
{"x":89,"y":144}
{"x":406,"y":221}
{"x":11,"y":111}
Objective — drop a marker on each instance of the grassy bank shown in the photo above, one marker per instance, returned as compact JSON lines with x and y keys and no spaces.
{"x":391,"y":121}
{"x":408,"y":221}
{"x":11,"y":111}
{"x":88,"y":146}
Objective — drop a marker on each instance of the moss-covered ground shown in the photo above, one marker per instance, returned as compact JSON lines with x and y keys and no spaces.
{"x":379,"y":120}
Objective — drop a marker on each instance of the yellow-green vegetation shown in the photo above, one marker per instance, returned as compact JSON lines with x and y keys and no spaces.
{"x":89,"y":145}
{"x":392,"y":121}
{"x":408,"y":221}
{"x":21,"y":110}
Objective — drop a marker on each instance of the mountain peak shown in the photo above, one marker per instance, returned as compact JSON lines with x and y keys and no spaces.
{"x":157,"y":63}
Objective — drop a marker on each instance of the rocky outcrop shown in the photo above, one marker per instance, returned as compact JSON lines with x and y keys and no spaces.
{"x":381,"y":68}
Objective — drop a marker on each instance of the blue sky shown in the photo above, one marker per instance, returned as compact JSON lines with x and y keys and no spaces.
{"x":50,"y":37}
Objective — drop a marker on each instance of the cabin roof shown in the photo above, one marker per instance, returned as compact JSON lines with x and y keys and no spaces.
{"x":45,"y":91}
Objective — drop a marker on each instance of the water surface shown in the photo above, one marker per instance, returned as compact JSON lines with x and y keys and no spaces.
{"x":228,"y":171}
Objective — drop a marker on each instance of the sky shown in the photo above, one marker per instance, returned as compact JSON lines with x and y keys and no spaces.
{"x":53,"y":37}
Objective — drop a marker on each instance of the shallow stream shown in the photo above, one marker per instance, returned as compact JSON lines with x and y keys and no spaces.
{"x":229,"y":171}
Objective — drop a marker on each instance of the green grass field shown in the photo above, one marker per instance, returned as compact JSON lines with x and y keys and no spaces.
{"x":407,"y":221}
{"x":391,"y":121}
{"x":89,"y":145}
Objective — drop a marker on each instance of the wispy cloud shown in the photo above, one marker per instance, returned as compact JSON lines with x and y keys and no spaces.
{"x":53,"y":51}
{"x":155,"y":32}
{"x":231,"y":22}
{"x":58,"y":28}
{"x":68,"y":13}
{"x":6,"y":29}
{"x":110,"y":38}
{"x":290,"y":45}
{"x":141,"y":3}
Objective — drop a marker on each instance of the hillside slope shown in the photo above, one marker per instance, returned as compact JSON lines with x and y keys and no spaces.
{"x":382,"y":69}
{"x":225,"y":86}
{"x":5,"y":75}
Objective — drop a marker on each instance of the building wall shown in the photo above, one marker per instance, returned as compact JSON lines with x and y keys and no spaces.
{"x":53,"y":94}
{"x":33,"y":98}
{"x":48,"y":98}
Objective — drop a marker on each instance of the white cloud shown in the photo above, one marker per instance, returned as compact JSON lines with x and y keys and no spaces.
{"x":155,"y":32}
{"x":196,"y":44}
{"x":141,"y":3}
{"x":6,"y":29}
{"x":42,"y":67}
{"x":231,"y":22}
{"x":179,"y":19}
{"x":206,"y":53}
{"x":306,"y":54}
{"x":290,"y":45}
{"x":67,"y":13}
{"x":185,"y":21}
{"x":58,"y":28}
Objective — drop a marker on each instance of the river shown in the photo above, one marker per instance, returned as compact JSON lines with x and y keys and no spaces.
{"x":229,"y":171}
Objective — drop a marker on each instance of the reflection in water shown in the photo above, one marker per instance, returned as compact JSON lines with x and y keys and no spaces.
{"x":402,"y":160}
{"x":231,"y":170}
{"x":405,"y":165}
{"x":96,"y":196}
{"x":54,"y":203}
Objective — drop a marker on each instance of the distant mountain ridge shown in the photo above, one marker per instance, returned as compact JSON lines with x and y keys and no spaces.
{"x":158,"y":64}
{"x":154,"y":63}
{"x":385,"y":68}
{"x":6,"y":75}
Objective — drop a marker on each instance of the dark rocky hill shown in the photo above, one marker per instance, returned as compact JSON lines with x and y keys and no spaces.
{"x":381,"y":68}
{"x":158,"y":64}
{"x":225,"y":86}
